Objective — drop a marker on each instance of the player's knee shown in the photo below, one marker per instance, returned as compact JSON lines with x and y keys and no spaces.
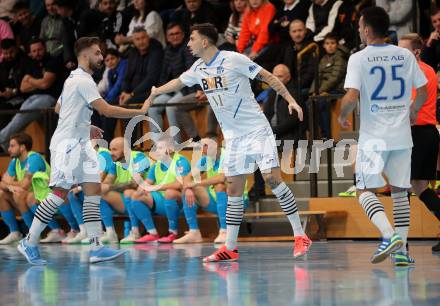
{"x":171,"y":194}
{"x":233,"y":191}
{"x":220,"y":188}
{"x":128,"y":193}
{"x":271,"y":180}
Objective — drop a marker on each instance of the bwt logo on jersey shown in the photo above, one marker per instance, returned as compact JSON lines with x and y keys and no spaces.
{"x":213,"y":83}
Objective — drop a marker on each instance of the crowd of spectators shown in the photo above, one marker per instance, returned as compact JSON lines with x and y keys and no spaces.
{"x":305,"y":42}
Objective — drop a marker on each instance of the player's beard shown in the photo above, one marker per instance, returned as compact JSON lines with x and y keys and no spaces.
{"x":95,"y":67}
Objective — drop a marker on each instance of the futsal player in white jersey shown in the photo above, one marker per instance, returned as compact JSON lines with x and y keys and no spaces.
{"x":73,"y":159}
{"x":382,"y":77}
{"x":224,"y":77}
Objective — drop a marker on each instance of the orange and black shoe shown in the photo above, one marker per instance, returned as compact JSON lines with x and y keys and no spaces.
{"x":222,"y":255}
{"x":302,"y":246}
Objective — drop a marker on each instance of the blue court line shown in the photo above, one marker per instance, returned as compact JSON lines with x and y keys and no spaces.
{"x":239,"y":103}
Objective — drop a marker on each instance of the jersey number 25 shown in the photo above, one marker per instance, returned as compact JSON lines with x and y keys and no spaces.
{"x":383,"y":79}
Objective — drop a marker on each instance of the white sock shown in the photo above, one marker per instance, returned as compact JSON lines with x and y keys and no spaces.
{"x":401,"y":213}
{"x":376,"y":213}
{"x":110,"y":230}
{"x":234,"y":216}
{"x":288,"y":204}
{"x":152,"y":231}
{"x":135,"y":230}
{"x":82,"y":228}
{"x":44,"y":214}
{"x":92,"y":220}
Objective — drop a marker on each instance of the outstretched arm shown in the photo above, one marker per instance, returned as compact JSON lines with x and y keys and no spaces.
{"x":118,"y":112}
{"x":171,"y":86}
{"x":279,"y":87}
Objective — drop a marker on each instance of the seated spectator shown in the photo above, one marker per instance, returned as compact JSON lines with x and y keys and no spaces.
{"x":401,"y":16}
{"x":41,"y":85}
{"x":66,"y":9}
{"x":300,"y":39}
{"x":161,"y":193}
{"x":177,"y":59}
{"x":110,"y":87}
{"x":6,"y":9}
{"x":27,"y":27}
{"x":143,"y":68}
{"x":146,"y":17}
{"x":194,"y":12}
{"x":11,"y":73}
{"x":254,"y":34}
{"x":5,"y":32}
{"x":51,"y":31}
{"x":104,"y":22}
{"x":121,"y":181}
{"x":25,"y":183}
{"x":332,"y":69}
{"x":322,"y":17}
{"x":232,"y":32}
{"x":291,"y":10}
{"x":431,"y":53}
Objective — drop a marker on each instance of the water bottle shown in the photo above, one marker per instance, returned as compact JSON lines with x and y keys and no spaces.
{"x":127,"y":228}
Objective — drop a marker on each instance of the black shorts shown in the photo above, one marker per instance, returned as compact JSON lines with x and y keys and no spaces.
{"x":424,"y":152}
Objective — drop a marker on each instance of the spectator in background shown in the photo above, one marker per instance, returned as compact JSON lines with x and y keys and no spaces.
{"x":52,"y":30}
{"x":232,"y":32}
{"x":322,"y":17}
{"x":195,"y":11}
{"x":332,"y":69}
{"x":431,"y":53}
{"x":113,"y":77}
{"x":42,"y":83}
{"x":291,"y":10}
{"x":65,"y":9}
{"x":177,"y":59}
{"x":104,"y":22}
{"x":300,"y":39}
{"x":401,"y":14}
{"x":6,"y":9}
{"x":27,"y":27}
{"x":5,"y":32}
{"x":254,"y":34}
{"x":143,"y":68}
{"x":146,"y":17}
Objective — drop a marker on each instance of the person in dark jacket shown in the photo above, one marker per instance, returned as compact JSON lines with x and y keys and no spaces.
{"x":143,"y":68}
{"x":27,"y":26}
{"x":195,"y":12}
{"x":177,"y":59}
{"x":431,"y":52}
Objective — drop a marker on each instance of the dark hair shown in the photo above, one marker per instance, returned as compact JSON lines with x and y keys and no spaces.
{"x":22,"y":139}
{"x":84,"y":43}
{"x":65,"y":3}
{"x":19,"y":6}
{"x":175,"y":24}
{"x":112,"y":51}
{"x":434,"y":11}
{"x":148,"y":8}
{"x":331,"y":36}
{"x":139,"y":29}
{"x":7,"y":43}
{"x":208,"y":30}
{"x":377,"y":19}
{"x":36,"y":41}
{"x":235,"y":16}
{"x":415,"y":40}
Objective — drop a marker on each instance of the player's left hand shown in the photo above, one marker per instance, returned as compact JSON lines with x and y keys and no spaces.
{"x":190,"y":197}
{"x":344,"y":122}
{"x":96,"y":132}
{"x":298,"y":109}
{"x":413,"y":116}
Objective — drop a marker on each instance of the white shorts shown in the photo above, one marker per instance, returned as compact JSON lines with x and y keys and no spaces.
{"x":74,"y":164}
{"x":244,"y":153}
{"x":396,"y":165}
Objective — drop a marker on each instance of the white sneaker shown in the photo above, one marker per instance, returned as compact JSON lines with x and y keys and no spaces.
{"x":221,"y":238}
{"x":78,"y":238}
{"x":56,"y":235}
{"x":70,"y":235}
{"x":190,"y":237}
{"x":85,"y":240}
{"x":109,"y":237}
{"x":11,"y":238}
{"x":131,"y":237}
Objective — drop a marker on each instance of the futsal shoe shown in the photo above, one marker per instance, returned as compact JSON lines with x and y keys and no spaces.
{"x":109,"y":237}
{"x":31,"y":253}
{"x":221,"y":238}
{"x":131,"y":238}
{"x":168,"y":239}
{"x":435,"y":248}
{"x":192,"y":236}
{"x":148,"y":238}
{"x":78,"y":238}
{"x":54,"y":236}
{"x":301,"y":246}
{"x":222,"y":269}
{"x":70,"y":235}
{"x":386,"y":248}
{"x":401,"y":259}
{"x":222,"y":255}
{"x":11,"y":238}
{"x":104,"y":254}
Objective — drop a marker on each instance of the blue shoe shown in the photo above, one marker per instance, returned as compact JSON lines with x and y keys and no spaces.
{"x":104,"y":254}
{"x":401,"y":259}
{"x":386,"y":248}
{"x":32,"y":254}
